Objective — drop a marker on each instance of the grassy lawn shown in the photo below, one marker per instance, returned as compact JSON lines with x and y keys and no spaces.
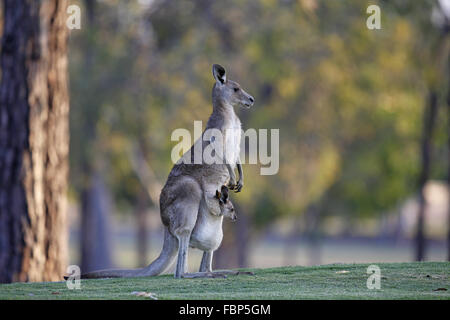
{"x":425,"y":280}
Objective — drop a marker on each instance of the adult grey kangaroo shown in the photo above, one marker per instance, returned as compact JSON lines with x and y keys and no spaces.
{"x":183,"y":201}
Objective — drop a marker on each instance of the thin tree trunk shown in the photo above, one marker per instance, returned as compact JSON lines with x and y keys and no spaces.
{"x":96,"y":202}
{"x":34,"y":139}
{"x":428,"y":125}
{"x":241,"y":231}
{"x":312,"y":221}
{"x":142,"y":229}
{"x":290,"y":244}
{"x":96,"y":230}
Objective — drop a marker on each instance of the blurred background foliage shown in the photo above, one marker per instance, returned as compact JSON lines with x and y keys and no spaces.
{"x":348,"y":101}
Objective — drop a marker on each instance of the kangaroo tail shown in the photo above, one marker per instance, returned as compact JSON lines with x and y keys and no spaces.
{"x":164,"y":261}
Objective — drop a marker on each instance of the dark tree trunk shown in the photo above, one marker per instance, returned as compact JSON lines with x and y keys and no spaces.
{"x":313,"y":236}
{"x":242,"y":237}
{"x":428,"y":125}
{"x":34,"y":140}
{"x":290,"y":248}
{"x":142,"y":229}
{"x":95,"y":246}
{"x":95,"y":227}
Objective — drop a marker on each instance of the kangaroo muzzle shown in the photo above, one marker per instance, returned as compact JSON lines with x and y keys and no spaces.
{"x":249,"y":101}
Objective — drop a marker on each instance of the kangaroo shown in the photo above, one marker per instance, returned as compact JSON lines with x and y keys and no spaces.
{"x":220,"y":204}
{"x":184,"y":210}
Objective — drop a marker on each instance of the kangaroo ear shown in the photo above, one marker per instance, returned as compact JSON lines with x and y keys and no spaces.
{"x":218,"y":195}
{"x":213,"y":204}
{"x":219,"y":73}
{"x":224,"y":190}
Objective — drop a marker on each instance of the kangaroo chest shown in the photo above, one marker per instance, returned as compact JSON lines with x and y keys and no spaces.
{"x":232,"y":139}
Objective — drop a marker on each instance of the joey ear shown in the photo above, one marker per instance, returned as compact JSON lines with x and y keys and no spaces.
{"x":224,"y":190}
{"x":219,"y":73}
{"x":218,"y":195}
{"x":225,"y":197}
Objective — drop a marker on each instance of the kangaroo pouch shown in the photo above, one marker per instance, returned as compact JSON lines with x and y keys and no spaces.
{"x":207,"y":234}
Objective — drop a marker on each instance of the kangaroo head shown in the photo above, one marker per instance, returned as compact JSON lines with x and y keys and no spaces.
{"x":228,"y":92}
{"x":226,"y":206}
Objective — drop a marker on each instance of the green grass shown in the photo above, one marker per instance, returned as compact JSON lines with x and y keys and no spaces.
{"x":398,"y":281}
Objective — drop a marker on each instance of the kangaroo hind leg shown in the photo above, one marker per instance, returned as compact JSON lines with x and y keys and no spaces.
{"x":183,"y":234}
{"x":183,"y":248}
{"x":184,"y":216}
{"x":206,"y":264}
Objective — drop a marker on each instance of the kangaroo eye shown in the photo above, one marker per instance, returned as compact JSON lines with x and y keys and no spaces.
{"x":236,"y":89}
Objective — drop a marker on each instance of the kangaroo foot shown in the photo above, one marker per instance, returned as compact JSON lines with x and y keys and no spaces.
{"x":203,"y":275}
{"x":234,"y":272}
{"x":216,"y":274}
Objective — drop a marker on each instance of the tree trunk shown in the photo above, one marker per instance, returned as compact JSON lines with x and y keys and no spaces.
{"x":95,"y":242}
{"x":95,"y":226}
{"x":142,"y":229}
{"x":428,"y":125}
{"x":291,"y":243}
{"x":34,"y":139}
{"x":242,"y":235}
{"x":313,"y":235}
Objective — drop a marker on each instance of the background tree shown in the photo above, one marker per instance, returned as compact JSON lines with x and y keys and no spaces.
{"x":348,"y":102}
{"x":89,"y":165}
{"x":434,"y":59}
{"x":34,"y":138}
